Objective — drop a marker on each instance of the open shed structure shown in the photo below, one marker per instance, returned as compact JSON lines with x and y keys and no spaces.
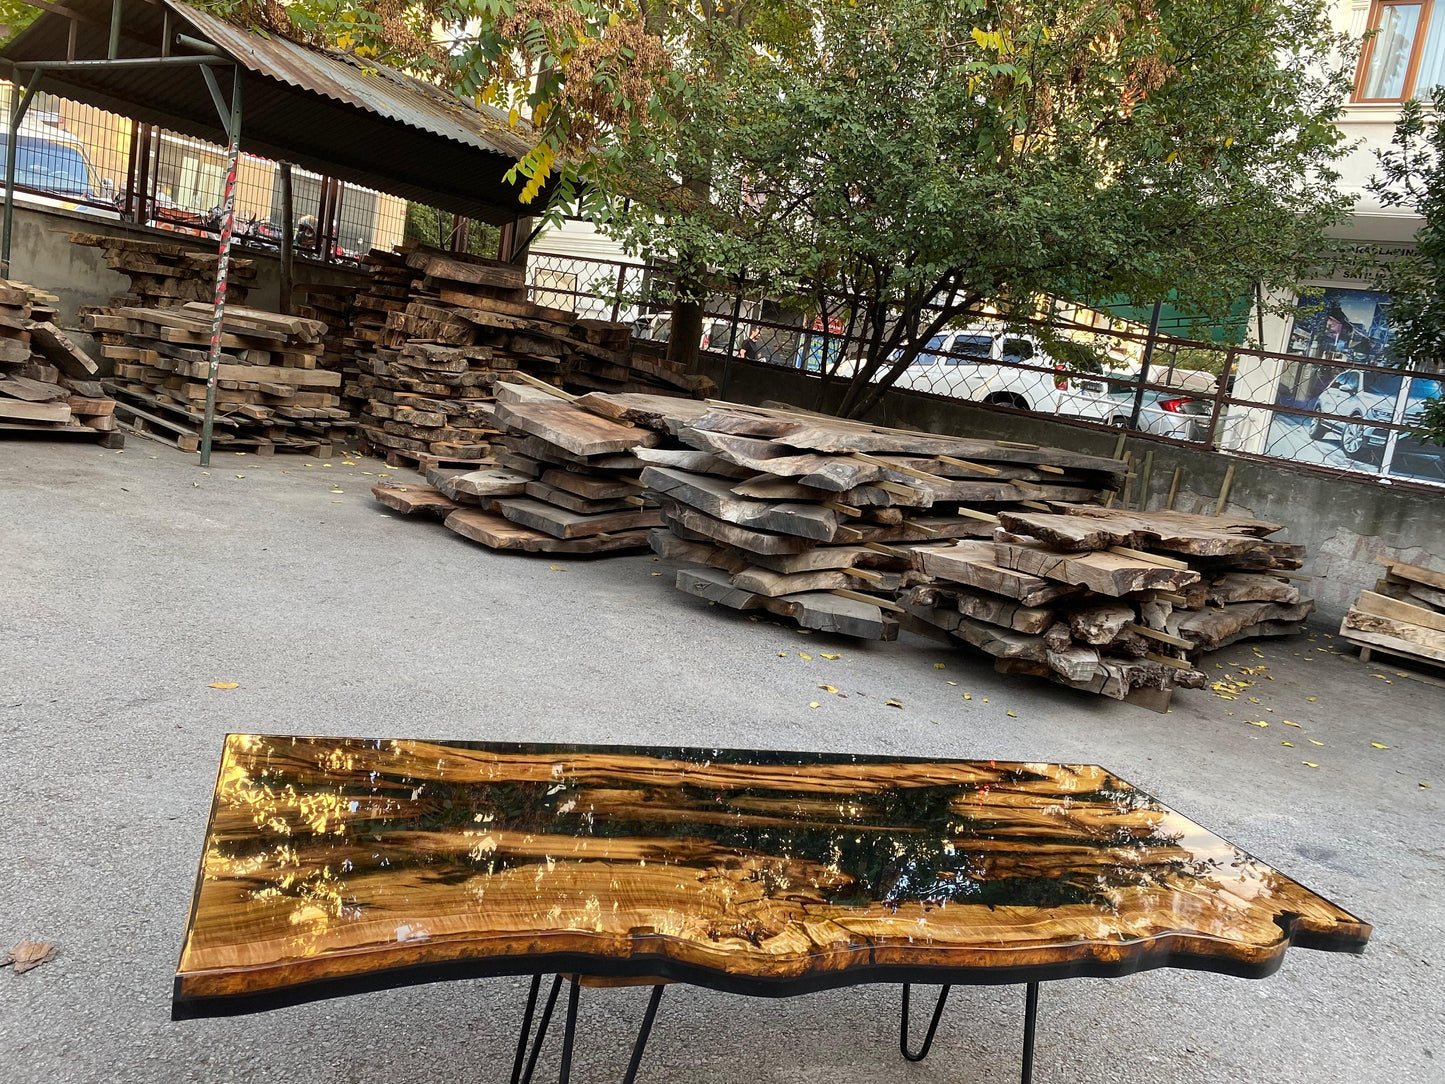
{"x":166,"y":63}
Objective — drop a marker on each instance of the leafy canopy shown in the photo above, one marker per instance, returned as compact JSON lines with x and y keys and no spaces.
{"x":906,"y":161}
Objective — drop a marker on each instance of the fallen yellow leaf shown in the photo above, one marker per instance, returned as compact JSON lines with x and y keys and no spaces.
{"x":1309,"y":764}
{"x":557,"y":568}
{"x":1288,"y":723}
{"x":828,"y":689}
{"x":827,"y":656}
{"x":966,"y":696}
{"x":1377,"y":745}
{"x":1311,"y":699}
{"x":1424,"y":786}
{"x":782,"y":654}
{"x":1011,"y":715}
{"x":939,"y":666}
{"x":1287,"y":744}
{"x":892,"y":704}
{"x":224,"y":685}
{"x":1256,"y":722}
{"x":815,"y":704}
{"x":803,"y":656}
{"x":1313,"y":742}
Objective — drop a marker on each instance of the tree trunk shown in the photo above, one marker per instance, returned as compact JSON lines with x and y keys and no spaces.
{"x":687,"y":308}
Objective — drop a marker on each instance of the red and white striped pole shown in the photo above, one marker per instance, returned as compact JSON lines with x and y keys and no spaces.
{"x":223,"y":265}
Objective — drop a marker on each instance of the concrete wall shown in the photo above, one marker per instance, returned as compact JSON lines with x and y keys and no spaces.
{"x":1345,"y":523}
{"x":41,"y":254}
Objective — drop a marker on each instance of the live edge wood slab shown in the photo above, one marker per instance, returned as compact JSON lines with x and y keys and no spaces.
{"x":335,"y":865}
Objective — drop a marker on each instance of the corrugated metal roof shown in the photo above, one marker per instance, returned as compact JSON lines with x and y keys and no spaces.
{"x":381,"y":90}
{"x":323,"y":111}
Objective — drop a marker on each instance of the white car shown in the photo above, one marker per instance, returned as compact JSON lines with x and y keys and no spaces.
{"x":982,"y":364}
{"x":52,"y":161}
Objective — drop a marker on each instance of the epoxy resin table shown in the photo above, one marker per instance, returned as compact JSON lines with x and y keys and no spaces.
{"x":334,"y":865}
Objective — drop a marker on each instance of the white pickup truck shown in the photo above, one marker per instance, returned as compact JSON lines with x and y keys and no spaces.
{"x":982,"y":364}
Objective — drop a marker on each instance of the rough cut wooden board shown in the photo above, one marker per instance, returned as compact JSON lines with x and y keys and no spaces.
{"x":412,"y":500}
{"x":563,"y":498}
{"x":1416,"y":573}
{"x":19,"y":410}
{"x":661,"y":412}
{"x":686,"y":459}
{"x":1171,"y":532}
{"x":714,"y":497}
{"x":561,"y":523}
{"x":1106,"y":573}
{"x":574,"y":430}
{"x":815,"y":610}
{"x":973,"y":564}
{"x":1395,"y":610}
{"x":501,"y":534}
{"x":591,"y":486}
{"x":1395,"y":636}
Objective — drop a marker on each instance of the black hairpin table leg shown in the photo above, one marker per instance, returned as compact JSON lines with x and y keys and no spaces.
{"x":521,"y":1075}
{"x":518,"y":1075}
{"x":638,"y":1047}
{"x":932,"y":1026}
{"x":1031,"y":1017}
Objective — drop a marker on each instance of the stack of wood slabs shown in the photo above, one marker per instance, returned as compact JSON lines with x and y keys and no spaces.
{"x":438,"y":330}
{"x":271,"y":393}
{"x":334,"y":305}
{"x":47,"y":382}
{"x":168,"y":273}
{"x":821,"y":520}
{"x":1403,"y":616}
{"x":564,"y":481}
{"x":1112,"y":601}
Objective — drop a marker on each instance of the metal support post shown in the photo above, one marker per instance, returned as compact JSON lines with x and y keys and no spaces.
{"x":621,"y":285}
{"x":113,"y":48}
{"x":223,"y":260}
{"x":519,"y":1074}
{"x":1031,"y":1018}
{"x":932,"y":1026}
{"x":17,"y":114}
{"x":288,"y":240}
{"x":1144,"y":366}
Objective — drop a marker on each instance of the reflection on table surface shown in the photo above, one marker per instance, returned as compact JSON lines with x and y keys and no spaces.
{"x":329,"y":857}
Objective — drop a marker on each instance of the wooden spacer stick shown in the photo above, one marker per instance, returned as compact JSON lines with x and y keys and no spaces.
{"x":981,"y":468}
{"x":841,"y":509}
{"x":1162,"y":637}
{"x":1151,"y":558}
{"x":974,"y":513}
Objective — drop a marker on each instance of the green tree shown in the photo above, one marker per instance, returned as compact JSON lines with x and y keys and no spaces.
{"x":907,"y":161}
{"x":1412,"y":174}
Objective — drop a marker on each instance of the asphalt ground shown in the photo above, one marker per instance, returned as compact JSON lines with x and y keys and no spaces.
{"x":130,"y":581}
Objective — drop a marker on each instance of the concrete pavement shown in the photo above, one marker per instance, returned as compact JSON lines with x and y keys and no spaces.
{"x":130,"y":580}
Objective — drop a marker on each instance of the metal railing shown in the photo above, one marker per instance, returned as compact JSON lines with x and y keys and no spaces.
{"x":1337,"y":413}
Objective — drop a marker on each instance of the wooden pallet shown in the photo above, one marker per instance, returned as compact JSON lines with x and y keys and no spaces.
{"x":421,"y":462}
{"x":110,"y":439}
{"x":1415,"y":667}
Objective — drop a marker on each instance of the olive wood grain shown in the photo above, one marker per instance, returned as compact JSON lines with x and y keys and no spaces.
{"x":337,"y":864}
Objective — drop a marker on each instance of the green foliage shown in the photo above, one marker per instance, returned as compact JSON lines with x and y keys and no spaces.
{"x":1412,"y":174}
{"x":905,"y":161}
{"x":429,"y":226}
{"x":15,"y":16}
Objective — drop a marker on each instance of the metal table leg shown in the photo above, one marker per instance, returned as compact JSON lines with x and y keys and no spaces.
{"x":1031,"y":1017}
{"x":518,"y":1076}
{"x":523,"y":1074}
{"x":932,"y":1026}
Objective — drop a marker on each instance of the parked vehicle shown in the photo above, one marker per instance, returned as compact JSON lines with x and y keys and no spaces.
{"x":1163,"y":413}
{"x":1361,"y":396}
{"x":983,"y":364}
{"x":50,"y":160}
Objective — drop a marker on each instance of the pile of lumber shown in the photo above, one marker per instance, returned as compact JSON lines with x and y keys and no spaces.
{"x":167,"y":273}
{"x":564,"y":481}
{"x":997,"y":546}
{"x":1403,"y":616}
{"x":47,"y":382}
{"x":335,"y":305}
{"x":270,"y":394}
{"x":1109,"y":601}
{"x":828,"y":521}
{"x":431,"y":351}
